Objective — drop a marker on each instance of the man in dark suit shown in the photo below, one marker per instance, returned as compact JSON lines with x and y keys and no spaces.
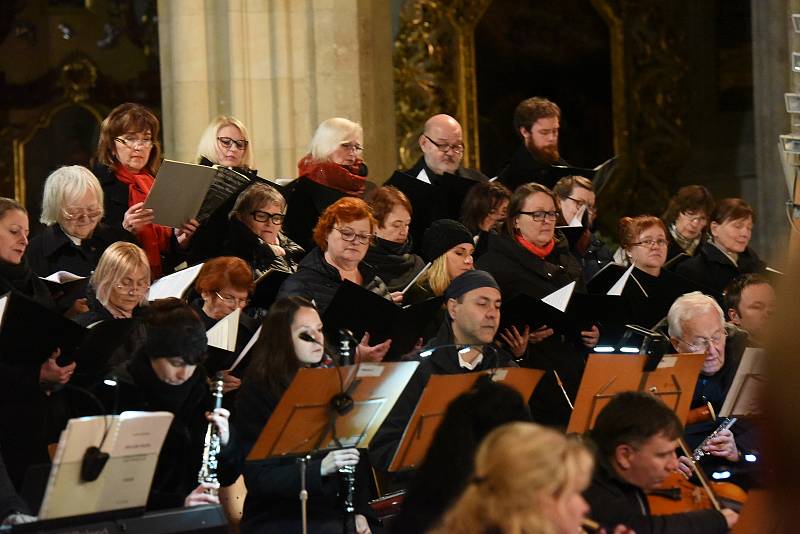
{"x":538,"y":121}
{"x":437,"y":183}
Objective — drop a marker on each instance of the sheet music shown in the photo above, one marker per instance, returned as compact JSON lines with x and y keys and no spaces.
{"x":619,"y":285}
{"x":559,"y":299}
{"x":175,"y":284}
{"x":223,"y":334}
{"x":743,"y":395}
{"x":227,"y":183}
{"x":423,"y":176}
{"x":246,"y":349}
{"x":62,"y":277}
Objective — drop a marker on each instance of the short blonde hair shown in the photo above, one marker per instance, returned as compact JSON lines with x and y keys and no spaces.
{"x":516,"y":467}
{"x":64,"y":185}
{"x":118,"y":261}
{"x":208,"y":145}
{"x":330,"y":134}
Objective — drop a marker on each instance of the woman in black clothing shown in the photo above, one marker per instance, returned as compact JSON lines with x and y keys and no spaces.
{"x":728,"y":254}
{"x":687,"y":218}
{"x":390,"y":252}
{"x":224,"y":285}
{"x":483,"y":212}
{"x":23,"y":433}
{"x":273,"y":485}
{"x":530,"y":258}
{"x":255,"y":231}
{"x":164,"y":374}
{"x":118,"y":286}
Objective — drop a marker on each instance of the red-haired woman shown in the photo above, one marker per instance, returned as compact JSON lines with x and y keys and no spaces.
{"x":128,"y":156}
{"x":224,"y":285}
{"x":343,"y":235}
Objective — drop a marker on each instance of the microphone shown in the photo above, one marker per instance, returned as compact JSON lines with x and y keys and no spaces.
{"x":341,"y":402}
{"x":94,"y":459}
{"x":305,"y":336}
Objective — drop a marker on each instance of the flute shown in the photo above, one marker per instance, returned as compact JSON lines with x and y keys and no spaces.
{"x":699,"y":452}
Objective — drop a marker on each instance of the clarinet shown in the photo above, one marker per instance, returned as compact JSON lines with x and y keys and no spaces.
{"x":699,"y":452}
{"x":211,"y":445}
{"x":348,"y":472}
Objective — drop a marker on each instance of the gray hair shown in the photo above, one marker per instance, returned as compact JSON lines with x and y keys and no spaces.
{"x":208,"y":144}
{"x":65,"y":185}
{"x":330,"y":134}
{"x":687,"y":307}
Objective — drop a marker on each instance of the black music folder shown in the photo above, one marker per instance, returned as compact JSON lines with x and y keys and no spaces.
{"x":66,"y":288}
{"x":29,"y":332}
{"x":360,"y":310}
{"x":267,"y":286}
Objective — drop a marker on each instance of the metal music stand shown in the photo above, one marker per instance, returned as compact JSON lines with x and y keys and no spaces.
{"x":437,"y":395}
{"x":673,"y":381}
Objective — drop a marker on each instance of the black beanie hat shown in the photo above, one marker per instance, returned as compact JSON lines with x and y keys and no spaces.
{"x":467,"y":281}
{"x":441,"y":236}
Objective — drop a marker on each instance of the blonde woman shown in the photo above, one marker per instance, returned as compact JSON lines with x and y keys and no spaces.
{"x":226,"y":142}
{"x":119,"y":285}
{"x":527,"y":479}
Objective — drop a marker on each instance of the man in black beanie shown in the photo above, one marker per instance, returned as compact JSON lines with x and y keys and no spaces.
{"x":463,"y":344}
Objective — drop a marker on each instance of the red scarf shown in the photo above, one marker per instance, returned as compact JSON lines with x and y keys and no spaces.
{"x":541,"y":252}
{"x":344,"y":178}
{"x":153,"y":238}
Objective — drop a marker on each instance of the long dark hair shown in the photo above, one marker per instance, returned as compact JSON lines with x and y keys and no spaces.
{"x":274,"y":361}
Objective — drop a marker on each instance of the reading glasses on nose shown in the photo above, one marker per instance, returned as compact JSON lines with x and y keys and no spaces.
{"x":352,"y":147}
{"x":651,"y":243}
{"x":351,"y":235}
{"x":583,"y":204}
{"x":233,"y":301}
{"x":73,"y":214}
{"x":132,"y":142}
{"x":704,"y":343}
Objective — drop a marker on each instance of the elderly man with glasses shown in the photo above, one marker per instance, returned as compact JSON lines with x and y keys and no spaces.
{"x":697,"y":325}
{"x":437,"y":183}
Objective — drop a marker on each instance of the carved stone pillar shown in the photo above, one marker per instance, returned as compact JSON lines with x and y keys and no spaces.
{"x":282,"y":67}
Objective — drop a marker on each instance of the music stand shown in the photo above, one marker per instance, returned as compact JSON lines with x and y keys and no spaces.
{"x":743,"y":395}
{"x":439,"y":392}
{"x":673,"y":381}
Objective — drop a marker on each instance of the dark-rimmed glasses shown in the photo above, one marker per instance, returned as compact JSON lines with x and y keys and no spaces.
{"x":583,"y":204}
{"x":228,"y":142}
{"x":264,"y":216}
{"x":445,"y":147}
{"x":651,"y":243}
{"x":540,"y":216}
{"x":351,"y":235}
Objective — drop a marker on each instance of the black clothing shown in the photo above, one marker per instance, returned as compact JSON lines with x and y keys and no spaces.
{"x":273,"y":485}
{"x":442,"y":362}
{"x":317,"y":280}
{"x":596,"y":256}
{"x":243,"y":243}
{"x":517,"y":270}
{"x":306,"y":200}
{"x":711,"y":268}
{"x":615,"y":501}
{"x":115,"y":196}
{"x":52,"y":250}
{"x":139,"y":388}
{"x":25,"y":429}
{"x":394,"y":263}
{"x":524,"y":168}
{"x":10,"y":501}
{"x":441,"y":199}
{"x":650,"y":309}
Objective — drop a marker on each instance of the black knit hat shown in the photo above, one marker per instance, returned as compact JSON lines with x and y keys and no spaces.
{"x":467,"y":281}
{"x":441,"y":236}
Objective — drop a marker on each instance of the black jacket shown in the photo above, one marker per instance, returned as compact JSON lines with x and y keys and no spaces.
{"x":614,"y":501}
{"x":10,"y":501}
{"x":273,"y":485}
{"x":711,"y":268}
{"x":317,"y":280}
{"x":52,"y":251}
{"x":519,"y":271}
{"x":524,"y":168}
{"x":442,"y":362}
{"x":243,"y":243}
{"x":441,"y":199}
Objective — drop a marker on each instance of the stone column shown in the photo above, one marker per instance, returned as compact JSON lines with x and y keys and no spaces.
{"x":771,"y":23}
{"x":282,"y":67}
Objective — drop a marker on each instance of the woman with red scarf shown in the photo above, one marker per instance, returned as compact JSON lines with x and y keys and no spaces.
{"x":529,"y":257}
{"x":332,"y":169}
{"x":129,"y":153}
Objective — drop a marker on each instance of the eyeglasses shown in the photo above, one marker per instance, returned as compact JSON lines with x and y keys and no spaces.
{"x":352,"y":147}
{"x":702,"y":344}
{"x":445,"y":147}
{"x":651,"y":243}
{"x":134,"y":143}
{"x":695,"y":218}
{"x":540,"y":216}
{"x":227,"y":142}
{"x":72,"y":214}
{"x":233,"y":301}
{"x":582,"y":203}
{"x":131,"y":288}
{"x":351,"y":235}
{"x":264,"y":216}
